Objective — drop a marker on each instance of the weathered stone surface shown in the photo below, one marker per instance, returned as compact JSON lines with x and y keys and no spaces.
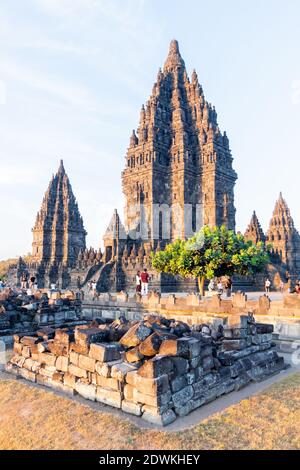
{"x":47,"y":358}
{"x":163,"y":420}
{"x":132,"y":408}
{"x":109,"y":397}
{"x":181,"y":397}
{"x":178,"y":383}
{"x":102,"y":368}
{"x":86,"y":362}
{"x":105,"y":352}
{"x":84,"y":337}
{"x":152,"y":400}
{"x":149,"y":386}
{"x":108,"y":382}
{"x":70,"y":380}
{"x":156,"y":367}
{"x":74,"y":358}
{"x":77,"y":371}
{"x":180,"y":365}
{"x":87,"y":391}
{"x":150,"y":346}
{"x":135,"y":335}
{"x":64,"y":336}
{"x":133,"y":355}
{"x":128,"y":392}
{"x":62,"y":363}
{"x":119,"y":371}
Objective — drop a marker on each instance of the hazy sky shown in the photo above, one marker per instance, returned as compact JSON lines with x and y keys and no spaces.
{"x":74,"y":74}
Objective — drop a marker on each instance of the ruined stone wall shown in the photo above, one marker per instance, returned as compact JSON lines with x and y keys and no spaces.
{"x":156,"y":368}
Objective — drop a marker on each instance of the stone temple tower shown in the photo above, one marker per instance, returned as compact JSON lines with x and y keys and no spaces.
{"x":284,"y":238}
{"x":254,"y":231}
{"x":178,"y":168}
{"x":58,"y":233}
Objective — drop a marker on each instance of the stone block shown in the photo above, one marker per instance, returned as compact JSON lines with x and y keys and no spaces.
{"x":77,"y":371}
{"x":207,"y":363}
{"x":105,"y":352}
{"x":86,"y":362}
{"x":87,"y":391}
{"x":29,"y":340}
{"x":84,"y":337}
{"x":135,"y":335}
{"x":64,"y":336}
{"x":150,"y":386}
{"x":157,"y":400}
{"x":18,"y":348}
{"x":74,"y":358}
{"x":29,"y":363}
{"x":161,"y":420}
{"x":109,"y":397}
{"x":128,"y":392}
{"x":108,"y":382}
{"x":47,"y":358}
{"x":47,"y":371}
{"x":62,"y":363}
{"x":181,"y":397}
{"x":132,"y":408}
{"x":180,"y":365}
{"x":26,"y":351}
{"x":185,"y":409}
{"x":234,"y":344}
{"x":70,"y":380}
{"x":150,"y":346}
{"x":156,"y":367}
{"x":119,"y":371}
{"x":133,"y":355}
{"x":178,"y":383}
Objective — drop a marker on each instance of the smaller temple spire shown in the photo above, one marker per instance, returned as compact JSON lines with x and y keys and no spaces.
{"x":254,"y":231}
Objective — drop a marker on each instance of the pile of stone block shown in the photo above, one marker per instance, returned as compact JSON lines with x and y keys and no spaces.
{"x":20,"y":312}
{"x":155,"y":368}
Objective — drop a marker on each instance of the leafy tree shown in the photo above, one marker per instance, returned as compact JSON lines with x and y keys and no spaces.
{"x":212,"y":252}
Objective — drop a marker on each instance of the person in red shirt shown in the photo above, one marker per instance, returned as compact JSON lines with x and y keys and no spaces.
{"x":145,"y":281}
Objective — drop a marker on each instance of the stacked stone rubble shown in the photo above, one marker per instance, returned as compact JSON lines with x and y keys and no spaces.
{"x":156,"y":368}
{"x":22,"y":313}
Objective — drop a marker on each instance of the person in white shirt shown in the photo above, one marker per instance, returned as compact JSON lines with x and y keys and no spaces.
{"x":267,"y":286}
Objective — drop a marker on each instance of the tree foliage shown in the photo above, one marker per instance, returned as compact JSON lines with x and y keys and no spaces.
{"x":212,"y":252}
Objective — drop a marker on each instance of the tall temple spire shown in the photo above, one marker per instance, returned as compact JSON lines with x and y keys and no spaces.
{"x":58,"y":233}
{"x":179,"y":156}
{"x":254,"y":231}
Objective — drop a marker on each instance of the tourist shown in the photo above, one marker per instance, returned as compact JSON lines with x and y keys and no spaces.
{"x":138,"y":281}
{"x":23,"y":281}
{"x":228,"y":287}
{"x":52,"y":286}
{"x":267,"y":285}
{"x":220,"y":287}
{"x":31,"y":281}
{"x":145,"y":282}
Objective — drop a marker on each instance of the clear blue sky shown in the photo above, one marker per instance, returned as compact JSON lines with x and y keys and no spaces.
{"x":73,"y":76}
